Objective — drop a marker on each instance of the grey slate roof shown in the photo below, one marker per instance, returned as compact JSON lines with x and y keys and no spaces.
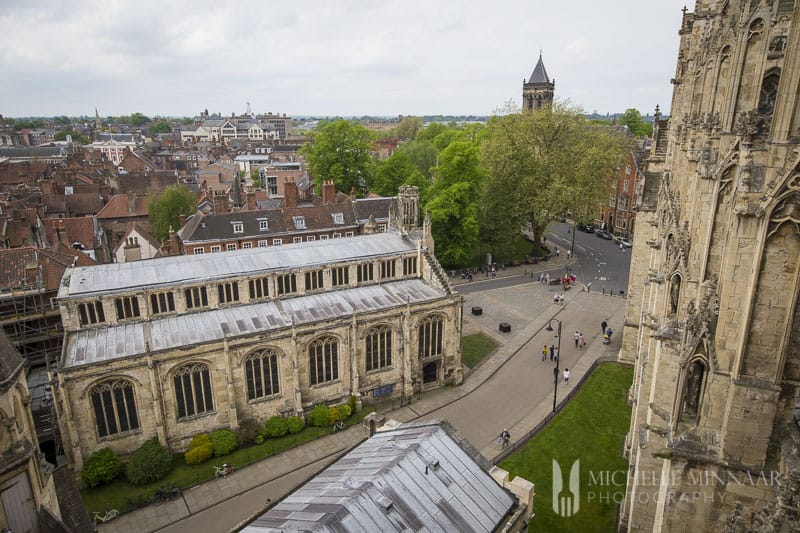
{"x":389,"y":483}
{"x":172,"y":332}
{"x":191,"y":269}
{"x":377,"y":207}
{"x":539,"y":74}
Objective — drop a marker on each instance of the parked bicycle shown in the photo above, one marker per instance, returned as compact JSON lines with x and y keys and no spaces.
{"x":222,"y":470}
{"x":110,"y":515}
{"x":166,"y":493}
{"x":338,"y":426}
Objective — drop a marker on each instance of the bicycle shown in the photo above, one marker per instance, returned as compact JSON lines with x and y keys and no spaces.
{"x":110,"y":515}
{"x":165,"y":493}
{"x":222,"y":471}
{"x":338,"y":426}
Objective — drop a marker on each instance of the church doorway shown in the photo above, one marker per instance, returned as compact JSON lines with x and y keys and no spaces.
{"x":430,"y":372}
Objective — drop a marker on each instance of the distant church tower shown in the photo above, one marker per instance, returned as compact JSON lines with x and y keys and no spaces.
{"x":538,"y":91}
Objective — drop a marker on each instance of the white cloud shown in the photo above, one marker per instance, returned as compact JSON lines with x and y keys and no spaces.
{"x":347,"y":57}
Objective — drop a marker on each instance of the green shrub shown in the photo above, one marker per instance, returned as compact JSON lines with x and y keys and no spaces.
{"x":101,"y":467}
{"x":149,"y":463}
{"x":277,"y":426}
{"x":344,"y":411}
{"x":296,"y":424}
{"x":200,"y":440}
{"x":247,"y":431}
{"x":320,"y":416}
{"x":224,"y":441}
{"x":333,"y":414}
{"x":198,"y":454}
{"x":352,"y":403}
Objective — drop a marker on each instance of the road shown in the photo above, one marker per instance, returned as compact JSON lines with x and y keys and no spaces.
{"x":596,"y":260}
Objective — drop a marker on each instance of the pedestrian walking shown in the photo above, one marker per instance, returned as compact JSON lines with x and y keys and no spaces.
{"x":582,"y":342}
{"x":505,"y":438}
{"x":577,"y":338}
{"x":545,"y":352}
{"x":603,"y":327}
{"x":566,"y":376}
{"x":552,"y":351}
{"x":547,"y":278}
{"x":609,"y":333}
{"x":555,"y":356}
{"x":558,"y":252}
{"x":569,"y":254}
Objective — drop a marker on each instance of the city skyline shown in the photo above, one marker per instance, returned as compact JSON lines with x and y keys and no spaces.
{"x":347,"y":59}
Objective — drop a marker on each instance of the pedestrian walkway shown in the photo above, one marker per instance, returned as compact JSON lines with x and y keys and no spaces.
{"x":527,"y":307}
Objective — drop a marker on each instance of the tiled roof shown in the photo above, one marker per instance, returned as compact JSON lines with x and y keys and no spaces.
{"x":70,"y":230}
{"x":377,"y":207}
{"x":20,"y":267}
{"x":118,"y":207}
{"x":11,"y":363}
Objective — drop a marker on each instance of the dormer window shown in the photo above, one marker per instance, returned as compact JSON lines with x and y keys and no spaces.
{"x":338,"y":218}
{"x":238,"y":227}
{"x":263,"y":224}
{"x":299,"y":222}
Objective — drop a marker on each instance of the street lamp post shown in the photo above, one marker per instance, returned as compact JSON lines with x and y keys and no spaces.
{"x":558,"y":359}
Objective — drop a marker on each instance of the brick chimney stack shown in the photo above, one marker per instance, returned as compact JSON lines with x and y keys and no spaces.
{"x":328,"y":192}
{"x":290,"y":192}
{"x":220,"y":200}
{"x":131,"y":203}
{"x":251,"y":201}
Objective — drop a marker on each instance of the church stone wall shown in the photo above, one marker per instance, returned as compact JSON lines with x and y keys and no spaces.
{"x":712,"y":318}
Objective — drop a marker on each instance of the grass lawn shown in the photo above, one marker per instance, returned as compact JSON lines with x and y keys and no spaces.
{"x":474,"y":348}
{"x":591,"y":428}
{"x":124,"y":497}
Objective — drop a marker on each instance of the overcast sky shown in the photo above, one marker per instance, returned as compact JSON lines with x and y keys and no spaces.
{"x":343,"y":57}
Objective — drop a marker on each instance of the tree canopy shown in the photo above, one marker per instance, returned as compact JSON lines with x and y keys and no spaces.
{"x":638,"y":126}
{"x":341,"y":151}
{"x":542,"y":164}
{"x":164,"y":211}
{"x":161,"y":126}
{"x":76,"y":137}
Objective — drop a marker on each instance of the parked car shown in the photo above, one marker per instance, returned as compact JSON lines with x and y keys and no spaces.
{"x":588,"y":228}
{"x":624,"y":241}
{"x":603,"y":234}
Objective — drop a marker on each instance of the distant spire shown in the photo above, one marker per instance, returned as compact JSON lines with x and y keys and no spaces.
{"x":539,"y":74}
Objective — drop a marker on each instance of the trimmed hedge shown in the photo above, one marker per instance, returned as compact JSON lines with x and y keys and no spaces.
{"x":198,"y":454}
{"x":320,"y":416}
{"x":224,"y":441}
{"x":101,"y":467}
{"x":276,"y":426}
{"x":296,"y":424}
{"x":149,"y":463}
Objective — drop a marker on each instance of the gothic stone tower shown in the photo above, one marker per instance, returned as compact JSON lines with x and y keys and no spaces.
{"x":713,"y":322}
{"x":538,"y":91}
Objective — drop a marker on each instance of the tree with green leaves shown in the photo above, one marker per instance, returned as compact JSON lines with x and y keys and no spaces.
{"x":422,"y":154}
{"x":634,"y":121}
{"x":341,"y":151}
{"x":397,"y":170}
{"x":164,"y":211}
{"x":407,"y":128}
{"x":453,"y":203}
{"x":161,"y":126}
{"x":138,"y":119}
{"x":542,"y":164}
{"x":76,"y":137}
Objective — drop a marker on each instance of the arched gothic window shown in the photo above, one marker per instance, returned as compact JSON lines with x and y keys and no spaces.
{"x":261,"y":374}
{"x":769,"y":92}
{"x":431,"y":335}
{"x":193,"y":390}
{"x":379,"y":348}
{"x":323,"y":360}
{"x":114,"y":407}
